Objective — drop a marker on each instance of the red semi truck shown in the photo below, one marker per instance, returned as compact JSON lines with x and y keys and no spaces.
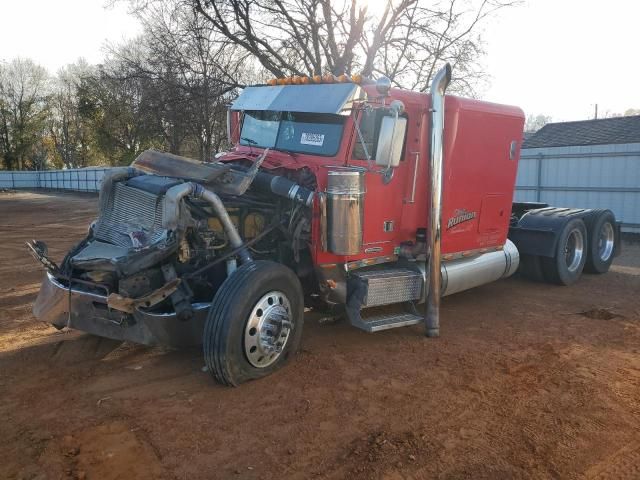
{"x":343,"y":195}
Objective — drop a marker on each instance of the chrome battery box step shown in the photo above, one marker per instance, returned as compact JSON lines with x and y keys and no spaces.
{"x":387,"y":286}
{"x":384,"y":298}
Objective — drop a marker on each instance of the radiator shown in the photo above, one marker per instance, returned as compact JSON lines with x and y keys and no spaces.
{"x":133,"y":218}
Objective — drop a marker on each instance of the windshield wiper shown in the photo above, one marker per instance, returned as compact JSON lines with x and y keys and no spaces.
{"x":249,"y":140}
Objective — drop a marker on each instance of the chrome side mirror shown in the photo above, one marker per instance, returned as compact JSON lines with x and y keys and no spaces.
{"x":390,"y":141}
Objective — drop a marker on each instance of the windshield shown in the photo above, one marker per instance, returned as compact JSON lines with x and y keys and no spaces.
{"x":315,"y":133}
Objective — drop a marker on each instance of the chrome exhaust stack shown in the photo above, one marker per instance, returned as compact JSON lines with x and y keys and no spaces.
{"x":436,"y":157}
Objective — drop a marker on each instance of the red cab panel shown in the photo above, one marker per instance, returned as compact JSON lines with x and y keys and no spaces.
{"x":482,"y":148}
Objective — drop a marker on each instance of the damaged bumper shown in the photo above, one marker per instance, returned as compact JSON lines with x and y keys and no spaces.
{"x":90,"y":313}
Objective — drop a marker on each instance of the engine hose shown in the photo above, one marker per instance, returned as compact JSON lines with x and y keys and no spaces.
{"x":282,"y":187}
{"x":233,"y":252}
{"x":223,"y":216}
{"x":171,"y":213}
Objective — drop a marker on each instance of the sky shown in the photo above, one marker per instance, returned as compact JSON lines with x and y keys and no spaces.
{"x":56,"y":33}
{"x":561,"y":57}
{"x":552,"y":57}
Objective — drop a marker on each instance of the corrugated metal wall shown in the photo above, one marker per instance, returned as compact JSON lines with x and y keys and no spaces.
{"x":593,"y":176}
{"x":79,"y":180}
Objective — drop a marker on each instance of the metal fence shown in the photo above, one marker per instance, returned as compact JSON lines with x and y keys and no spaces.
{"x":77,"y":180}
{"x":593,"y":176}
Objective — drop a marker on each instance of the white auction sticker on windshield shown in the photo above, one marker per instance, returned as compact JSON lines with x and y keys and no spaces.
{"x":316,"y":139}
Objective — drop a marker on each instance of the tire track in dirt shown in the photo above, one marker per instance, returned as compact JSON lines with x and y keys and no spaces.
{"x":518,"y":386}
{"x":622,"y":465}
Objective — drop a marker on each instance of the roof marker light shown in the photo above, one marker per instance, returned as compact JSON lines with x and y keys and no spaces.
{"x":326,"y":78}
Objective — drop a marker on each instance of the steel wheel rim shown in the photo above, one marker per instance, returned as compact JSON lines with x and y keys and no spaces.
{"x":268,"y":329}
{"x":606,"y":241}
{"x":574,"y":250}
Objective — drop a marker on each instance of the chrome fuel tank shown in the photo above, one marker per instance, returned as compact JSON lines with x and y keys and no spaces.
{"x":345,"y":210}
{"x":465,"y":273}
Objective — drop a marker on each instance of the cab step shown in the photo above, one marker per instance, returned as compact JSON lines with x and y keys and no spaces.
{"x":385,"y":321}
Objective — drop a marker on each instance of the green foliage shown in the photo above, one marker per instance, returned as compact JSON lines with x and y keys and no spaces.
{"x":169,"y":88}
{"x":72,"y":136}
{"x":116,"y":109}
{"x":23,"y":113}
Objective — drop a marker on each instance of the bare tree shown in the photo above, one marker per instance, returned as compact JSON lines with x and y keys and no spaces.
{"x":536,"y":122}
{"x":195,"y":72}
{"x":23,"y":111}
{"x":70,"y":132}
{"x":117,"y":105}
{"x":629,"y":112}
{"x":406,"y":42}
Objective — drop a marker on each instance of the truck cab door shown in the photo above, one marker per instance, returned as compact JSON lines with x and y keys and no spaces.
{"x":375,"y":148}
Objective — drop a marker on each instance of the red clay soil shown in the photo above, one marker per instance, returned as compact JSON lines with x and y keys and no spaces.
{"x":524,"y":382}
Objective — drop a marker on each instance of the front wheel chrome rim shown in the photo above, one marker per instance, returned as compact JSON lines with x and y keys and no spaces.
{"x":574,"y":250}
{"x":268,"y":329}
{"x":606,"y":242}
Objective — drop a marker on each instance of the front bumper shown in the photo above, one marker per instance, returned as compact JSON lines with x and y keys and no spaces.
{"x":90,"y":313}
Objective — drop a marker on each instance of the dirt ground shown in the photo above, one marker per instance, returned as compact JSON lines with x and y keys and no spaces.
{"x":526,"y":381}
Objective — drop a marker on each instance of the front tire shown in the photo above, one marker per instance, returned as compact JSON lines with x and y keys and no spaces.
{"x":568,"y":262}
{"x":254,"y":323}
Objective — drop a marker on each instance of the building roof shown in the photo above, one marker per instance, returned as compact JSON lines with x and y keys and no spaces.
{"x":587,"y":132}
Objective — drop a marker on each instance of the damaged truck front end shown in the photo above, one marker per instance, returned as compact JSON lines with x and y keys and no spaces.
{"x":163,"y":242}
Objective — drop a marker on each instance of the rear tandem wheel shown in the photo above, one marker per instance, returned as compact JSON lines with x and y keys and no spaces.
{"x":601,"y":241}
{"x":566,"y":266}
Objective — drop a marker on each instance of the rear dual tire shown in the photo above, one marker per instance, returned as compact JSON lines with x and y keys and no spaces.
{"x":602,"y":241}
{"x":566,"y":266}
{"x":586,"y":244}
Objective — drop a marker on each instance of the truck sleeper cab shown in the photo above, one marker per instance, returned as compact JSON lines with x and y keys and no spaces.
{"x":352,"y":198}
